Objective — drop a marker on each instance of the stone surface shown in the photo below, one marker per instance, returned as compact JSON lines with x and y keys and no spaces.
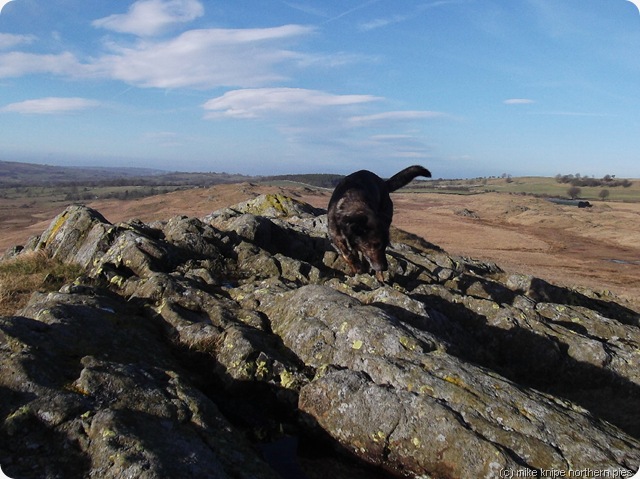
{"x":235,"y":346}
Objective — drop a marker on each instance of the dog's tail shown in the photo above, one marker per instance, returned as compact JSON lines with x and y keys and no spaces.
{"x":405,"y":176}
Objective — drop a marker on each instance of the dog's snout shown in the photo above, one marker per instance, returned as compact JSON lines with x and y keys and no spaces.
{"x":378,"y":261}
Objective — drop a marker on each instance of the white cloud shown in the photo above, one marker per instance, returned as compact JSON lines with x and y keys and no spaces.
{"x":399,"y":146}
{"x":518,"y":101}
{"x":399,"y":18}
{"x":49,"y":106}
{"x":319,"y":121}
{"x":571,"y":113}
{"x":208,"y":58}
{"x":8,"y":40}
{"x":351,"y":10}
{"x":150,"y":17}
{"x":387,"y":116}
{"x":204,"y":59}
{"x":16,"y":64}
{"x":382,"y":22}
{"x":267,"y":102}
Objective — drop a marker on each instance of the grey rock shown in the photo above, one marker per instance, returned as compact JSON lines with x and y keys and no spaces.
{"x":491,"y":423}
{"x":203,"y":347}
{"x":93,"y":390}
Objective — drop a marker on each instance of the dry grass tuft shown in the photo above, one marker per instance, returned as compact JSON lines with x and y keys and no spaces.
{"x":22,"y":276}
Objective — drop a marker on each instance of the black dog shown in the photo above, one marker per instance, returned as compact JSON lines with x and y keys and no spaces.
{"x":360,"y":213}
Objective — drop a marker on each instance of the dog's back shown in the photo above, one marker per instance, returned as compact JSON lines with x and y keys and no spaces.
{"x":360,"y":213}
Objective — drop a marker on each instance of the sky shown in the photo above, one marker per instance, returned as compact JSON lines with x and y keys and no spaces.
{"x":466,"y":88}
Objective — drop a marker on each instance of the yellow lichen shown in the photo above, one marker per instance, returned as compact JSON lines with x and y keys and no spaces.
{"x":408,"y":343}
{"x":262,"y":369}
{"x":287,"y":380}
{"x":62,"y":218}
{"x":424,"y":389}
{"x":455,"y":380}
{"x":118,"y":281}
{"x":357,"y":344}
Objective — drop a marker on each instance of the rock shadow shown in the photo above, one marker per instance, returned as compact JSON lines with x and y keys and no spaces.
{"x":532,"y":360}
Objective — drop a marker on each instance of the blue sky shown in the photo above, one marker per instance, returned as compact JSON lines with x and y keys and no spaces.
{"x":465,"y":87}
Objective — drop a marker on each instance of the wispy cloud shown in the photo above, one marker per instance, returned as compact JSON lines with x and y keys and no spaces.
{"x":16,"y":64}
{"x":201,"y":59}
{"x":382,"y":22}
{"x":572,"y":113}
{"x":399,"y":146}
{"x":399,"y":18}
{"x":269,"y":102}
{"x":196,"y":58}
{"x":8,"y":40}
{"x":150,"y":17}
{"x":324,"y":122}
{"x":205,"y":59}
{"x":518,"y":101}
{"x":351,"y":10}
{"x":395,"y":116}
{"x":305,"y":8}
{"x":50,"y":106}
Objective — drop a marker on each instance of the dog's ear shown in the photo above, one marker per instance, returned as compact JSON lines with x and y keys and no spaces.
{"x":357,"y":224}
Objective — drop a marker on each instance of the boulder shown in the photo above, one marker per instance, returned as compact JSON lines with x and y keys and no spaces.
{"x":91,"y":389}
{"x":236,"y":346}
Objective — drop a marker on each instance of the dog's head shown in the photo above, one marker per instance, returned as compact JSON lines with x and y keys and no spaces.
{"x":370,"y":236}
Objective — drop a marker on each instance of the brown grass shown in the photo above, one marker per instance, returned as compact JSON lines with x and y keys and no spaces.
{"x":21,"y":276}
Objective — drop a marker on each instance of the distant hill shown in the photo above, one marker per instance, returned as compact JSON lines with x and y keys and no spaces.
{"x":15,"y":174}
{"x":30,"y":174}
{"x":312,"y":179}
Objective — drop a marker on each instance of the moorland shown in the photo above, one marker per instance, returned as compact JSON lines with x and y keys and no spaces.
{"x":507,"y":220}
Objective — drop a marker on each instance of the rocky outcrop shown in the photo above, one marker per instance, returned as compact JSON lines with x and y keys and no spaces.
{"x":236,"y":346}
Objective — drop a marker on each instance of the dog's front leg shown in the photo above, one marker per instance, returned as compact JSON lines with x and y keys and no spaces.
{"x":353,"y":260}
{"x":350,"y":255}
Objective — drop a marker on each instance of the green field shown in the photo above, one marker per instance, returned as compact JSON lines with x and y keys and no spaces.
{"x":528,"y":185}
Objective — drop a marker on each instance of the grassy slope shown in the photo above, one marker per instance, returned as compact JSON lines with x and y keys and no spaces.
{"x":21,"y":276}
{"x":541,"y":186}
{"x":530,"y":185}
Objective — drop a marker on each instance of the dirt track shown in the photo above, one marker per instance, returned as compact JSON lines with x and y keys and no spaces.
{"x":597,"y":248}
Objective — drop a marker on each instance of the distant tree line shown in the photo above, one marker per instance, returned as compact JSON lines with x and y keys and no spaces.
{"x":137,"y":193}
{"x":578,"y":180}
{"x":69,"y":180}
{"x":321,"y":180}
